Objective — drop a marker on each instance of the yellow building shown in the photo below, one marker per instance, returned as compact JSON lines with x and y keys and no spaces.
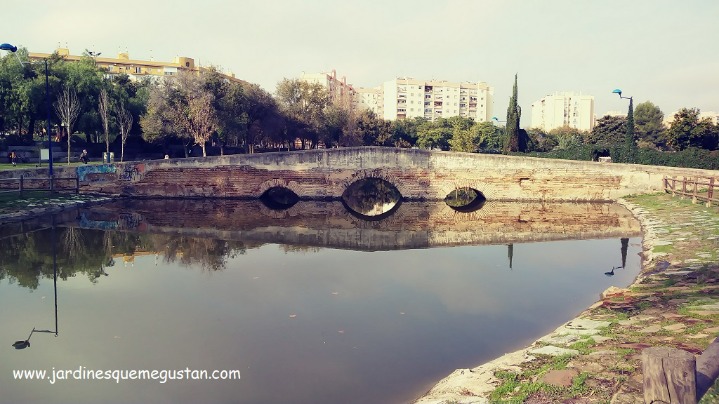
{"x":136,"y":69}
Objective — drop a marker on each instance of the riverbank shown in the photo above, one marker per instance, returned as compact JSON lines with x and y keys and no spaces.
{"x":596,"y":357}
{"x":14,"y":208}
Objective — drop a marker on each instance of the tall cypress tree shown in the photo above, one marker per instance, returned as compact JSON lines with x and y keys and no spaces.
{"x":512,"y":141}
{"x":629,"y":144}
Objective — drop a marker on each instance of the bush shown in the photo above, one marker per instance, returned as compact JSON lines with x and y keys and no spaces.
{"x":690,"y":158}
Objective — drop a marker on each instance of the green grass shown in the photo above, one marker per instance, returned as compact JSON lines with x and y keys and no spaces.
{"x":583,"y":346}
{"x":663,"y":248}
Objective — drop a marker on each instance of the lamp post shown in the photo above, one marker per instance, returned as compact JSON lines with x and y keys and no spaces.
{"x":629,"y":137}
{"x":494,"y":118}
{"x":13,"y":49}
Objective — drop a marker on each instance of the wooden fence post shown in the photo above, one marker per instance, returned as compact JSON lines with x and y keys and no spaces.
{"x":710,"y":192}
{"x":694,"y":195}
{"x":707,"y":368}
{"x":669,"y":376}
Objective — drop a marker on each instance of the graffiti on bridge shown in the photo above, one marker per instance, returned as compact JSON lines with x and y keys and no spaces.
{"x":133,"y":172}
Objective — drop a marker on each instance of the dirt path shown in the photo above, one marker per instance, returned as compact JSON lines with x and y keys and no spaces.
{"x":596,"y":358}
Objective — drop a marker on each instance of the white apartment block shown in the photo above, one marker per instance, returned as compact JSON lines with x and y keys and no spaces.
{"x":371,"y":99}
{"x":564,"y":109}
{"x":340,"y":92}
{"x":410,"y":98}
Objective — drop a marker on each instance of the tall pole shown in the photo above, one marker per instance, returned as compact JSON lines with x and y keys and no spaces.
{"x":54,"y":270}
{"x":47,"y":128}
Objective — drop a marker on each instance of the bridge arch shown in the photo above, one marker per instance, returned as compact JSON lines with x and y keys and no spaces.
{"x":279,"y":183}
{"x":379,"y":174}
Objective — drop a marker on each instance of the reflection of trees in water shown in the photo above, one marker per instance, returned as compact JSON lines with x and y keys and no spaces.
{"x":72,"y":242}
{"x":371,"y":196}
{"x":27,"y":257}
{"x":209,"y":254}
{"x":287,"y":248}
{"x":461,"y":197}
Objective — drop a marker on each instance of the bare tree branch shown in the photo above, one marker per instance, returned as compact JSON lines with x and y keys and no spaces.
{"x":67,"y":107}
{"x":124,"y":120}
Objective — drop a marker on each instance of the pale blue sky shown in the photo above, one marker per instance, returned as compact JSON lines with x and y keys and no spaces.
{"x":658,"y":50}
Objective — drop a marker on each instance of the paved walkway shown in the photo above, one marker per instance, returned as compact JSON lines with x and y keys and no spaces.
{"x":596,"y":357}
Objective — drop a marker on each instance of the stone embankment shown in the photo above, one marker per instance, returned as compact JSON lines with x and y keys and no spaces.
{"x":597,"y":356}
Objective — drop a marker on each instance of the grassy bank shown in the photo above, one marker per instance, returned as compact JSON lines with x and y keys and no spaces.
{"x":675,"y":304}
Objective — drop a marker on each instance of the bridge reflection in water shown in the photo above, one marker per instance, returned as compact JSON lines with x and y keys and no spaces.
{"x":329,"y":223}
{"x":332,"y":322}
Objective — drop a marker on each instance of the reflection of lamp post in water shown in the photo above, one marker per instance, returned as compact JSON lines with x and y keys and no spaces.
{"x":510,"y":254}
{"x":625,"y":247}
{"x":22,"y":344}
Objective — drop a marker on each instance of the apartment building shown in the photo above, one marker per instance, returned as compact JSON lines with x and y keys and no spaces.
{"x":371,"y":99}
{"x":411,"y":98}
{"x":340,"y":92}
{"x":564,"y":109}
{"x":134,"y":68}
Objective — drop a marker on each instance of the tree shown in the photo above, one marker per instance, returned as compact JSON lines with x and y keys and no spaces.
{"x":566,"y":136}
{"x":305,"y":103}
{"x":513,"y":141}
{"x":682,"y":131}
{"x":200,"y":119}
{"x":404,"y":131}
{"x":181,"y":107}
{"x":541,"y":141}
{"x":649,"y":126}
{"x":103,"y":108}
{"x":463,"y":138}
{"x":630,"y":146}
{"x":124,"y":121}
{"x":230,"y":102}
{"x":706,"y":135}
{"x":370,"y":130}
{"x":609,"y":130}
{"x":263,"y":117}
{"x":491,"y":137}
{"x":434,"y":135}
{"x":67,"y":107}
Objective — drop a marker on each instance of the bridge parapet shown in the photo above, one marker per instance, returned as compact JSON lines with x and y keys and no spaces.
{"x":417,"y":174}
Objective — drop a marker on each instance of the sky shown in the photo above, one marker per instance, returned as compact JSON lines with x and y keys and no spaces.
{"x":663,"y":51}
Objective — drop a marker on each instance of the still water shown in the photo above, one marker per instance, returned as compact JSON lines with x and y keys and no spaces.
{"x":310,"y":304}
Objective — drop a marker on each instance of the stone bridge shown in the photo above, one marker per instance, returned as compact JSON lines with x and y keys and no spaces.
{"x":417,"y":174}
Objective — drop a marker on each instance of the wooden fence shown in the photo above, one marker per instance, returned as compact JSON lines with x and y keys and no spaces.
{"x":698,"y":188}
{"x":21,"y":184}
{"x":672,"y":375}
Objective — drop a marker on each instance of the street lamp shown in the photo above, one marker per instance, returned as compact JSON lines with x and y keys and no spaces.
{"x":494,"y":118}
{"x":629,"y":138}
{"x":13,"y":49}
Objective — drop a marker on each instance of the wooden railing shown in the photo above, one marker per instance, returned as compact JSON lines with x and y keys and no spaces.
{"x":21,"y":184}
{"x":698,"y":188}
{"x":672,"y":375}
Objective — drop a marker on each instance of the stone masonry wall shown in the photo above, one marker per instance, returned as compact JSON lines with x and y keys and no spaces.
{"x":417,"y":174}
